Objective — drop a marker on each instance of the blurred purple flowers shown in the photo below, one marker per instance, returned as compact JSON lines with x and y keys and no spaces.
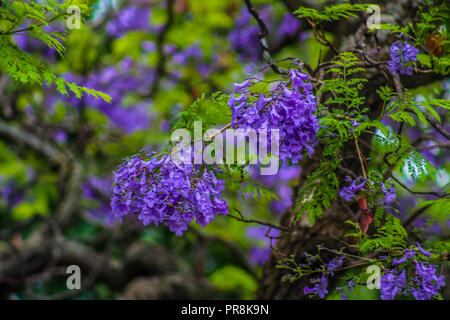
{"x":259,"y":254}
{"x":117,"y":82}
{"x":130,"y":19}
{"x":289,"y":26}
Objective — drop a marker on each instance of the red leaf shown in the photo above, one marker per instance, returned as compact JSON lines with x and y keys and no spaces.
{"x":363,"y":203}
{"x":364,"y":222}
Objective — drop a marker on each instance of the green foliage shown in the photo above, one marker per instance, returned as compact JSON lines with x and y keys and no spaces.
{"x":390,"y":236}
{"x":343,"y":88}
{"x":234,"y":282}
{"x":438,"y":209}
{"x":320,"y":188}
{"x":433,"y":15}
{"x":330,"y":13}
{"x":212,"y":111}
{"x":404,"y":109}
{"x":342,"y":97}
{"x":21,"y":17}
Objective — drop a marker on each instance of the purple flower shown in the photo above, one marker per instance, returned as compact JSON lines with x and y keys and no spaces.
{"x":242,"y":86}
{"x":244,"y":38}
{"x":403,"y":58}
{"x":191,"y":52}
{"x":391,"y":284}
{"x":427,"y":254}
{"x":349,"y":193}
{"x":291,"y":112}
{"x":426,"y":283}
{"x":289,"y":26}
{"x":409,"y":254}
{"x":334,"y":264}
{"x":319,"y":288}
{"x":389,"y":192}
{"x":117,"y":82}
{"x":129,"y":19}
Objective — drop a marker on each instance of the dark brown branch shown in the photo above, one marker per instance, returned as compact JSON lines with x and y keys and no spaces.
{"x":161,"y":65}
{"x":264,"y":32}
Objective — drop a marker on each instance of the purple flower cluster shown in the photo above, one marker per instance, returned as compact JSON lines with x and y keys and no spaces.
{"x":244,"y":38}
{"x":349,"y":288}
{"x":423,"y":284}
{"x":291,"y":111}
{"x":130,"y":19}
{"x":392,"y":283}
{"x":319,"y":288}
{"x":314,"y":264}
{"x":403,"y":57}
{"x":388,"y":189}
{"x":350,"y":192}
{"x":426,"y":283}
{"x":159,"y":190}
{"x":335,"y":264}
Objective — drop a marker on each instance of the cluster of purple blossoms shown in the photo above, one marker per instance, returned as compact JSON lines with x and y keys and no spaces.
{"x":289,"y":26}
{"x":392,"y":283}
{"x":319,"y":288}
{"x":403,"y":58}
{"x":426,"y":283}
{"x":422,"y":285}
{"x":291,"y":111}
{"x":388,"y":189}
{"x":335,"y":264}
{"x":159,"y":190}
{"x":130,"y":19}
{"x":350,"y":192}
{"x":315,"y":263}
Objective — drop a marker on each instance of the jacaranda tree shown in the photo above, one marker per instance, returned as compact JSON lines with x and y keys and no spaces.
{"x":224,"y":149}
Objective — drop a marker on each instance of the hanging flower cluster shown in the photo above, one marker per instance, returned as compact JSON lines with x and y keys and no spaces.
{"x":159,"y":190}
{"x":422,"y":282}
{"x":411,"y":275}
{"x":290,"y":108}
{"x":403,"y":58}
